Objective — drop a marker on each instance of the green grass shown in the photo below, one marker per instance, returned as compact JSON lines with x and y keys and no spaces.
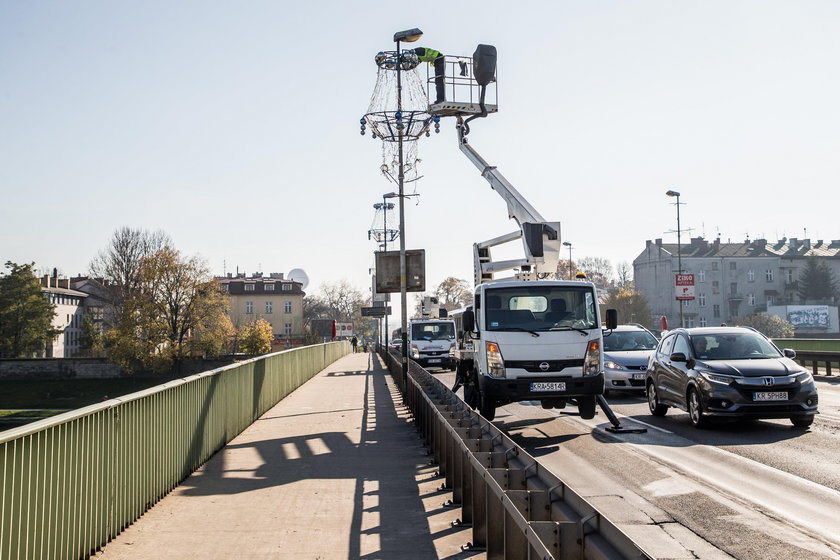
{"x":64,"y":394}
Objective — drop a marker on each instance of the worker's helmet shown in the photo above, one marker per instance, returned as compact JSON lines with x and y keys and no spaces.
{"x":409,"y":60}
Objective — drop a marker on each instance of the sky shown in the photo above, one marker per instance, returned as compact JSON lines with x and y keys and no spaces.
{"x":234,"y":128}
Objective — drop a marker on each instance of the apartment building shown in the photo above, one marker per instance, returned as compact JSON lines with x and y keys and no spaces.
{"x":273,"y":298}
{"x":732,"y":280}
{"x":69,"y":312}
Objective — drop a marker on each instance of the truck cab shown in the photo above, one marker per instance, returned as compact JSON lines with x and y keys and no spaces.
{"x":536,"y":341}
{"x":432,"y":342}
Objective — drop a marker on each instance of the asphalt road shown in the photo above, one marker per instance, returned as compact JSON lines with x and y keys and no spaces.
{"x":750,"y":489}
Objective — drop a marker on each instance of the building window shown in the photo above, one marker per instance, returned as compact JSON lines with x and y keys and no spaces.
{"x":714,"y":265}
{"x":716,"y":310}
{"x":715,"y":287}
{"x":769,"y":301}
{"x":689,"y":322}
{"x":732,"y":265}
{"x":249,"y":287}
{"x":268,"y":307}
{"x":268,"y":287}
{"x":701,"y":300}
{"x":733,"y":287}
{"x":287,"y":287}
{"x":288,"y":307}
{"x":751,"y":275}
{"x":686,"y":302}
{"x":249,"y":307}
{"x":703,"y":322}
{"x":287,"y":328}
{"x":789,"y":275}
{"x":701,"y":276}
{"x":751,"y":299}
{"x":769,"y":275}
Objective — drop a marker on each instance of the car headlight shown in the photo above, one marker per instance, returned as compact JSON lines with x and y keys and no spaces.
{"x":612,"y":365}
{"x":804,"y":377}
{"x":715,"y":378}
{"x":495,"y":363}
{"x":452,"y":350}
{"x":592,"y":359}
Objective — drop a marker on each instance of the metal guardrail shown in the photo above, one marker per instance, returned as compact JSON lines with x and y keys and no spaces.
{"x":72,"y":482}
{"x":516,"y":507}
{"x":816,"y":358}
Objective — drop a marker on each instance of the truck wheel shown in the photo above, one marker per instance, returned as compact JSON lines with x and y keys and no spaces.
{"x":471,"y":395}
{"x":586,"y":407}
{"x":486,"y":406}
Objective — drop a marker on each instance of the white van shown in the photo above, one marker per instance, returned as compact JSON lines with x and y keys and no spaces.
{"x":432,"y":342}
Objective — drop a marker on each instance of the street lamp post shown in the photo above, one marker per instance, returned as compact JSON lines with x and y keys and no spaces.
{"x":679,"y":247}
{"x":569,"y":245}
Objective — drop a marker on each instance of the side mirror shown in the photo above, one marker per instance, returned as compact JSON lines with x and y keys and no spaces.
{"x":789,"y":353}
{"x":469,"y":320}
{"x":612,"y":318}
{"x":678,"y":357}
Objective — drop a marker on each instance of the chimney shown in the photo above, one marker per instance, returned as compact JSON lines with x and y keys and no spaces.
{"x":659,"y":242}
{"x":793,"y":243}
{"x":55,"y":273}
{"x":64,"y":283}
{"x":717,"y":244}
{"x":45,"y":281}
{"x":806,"y":243}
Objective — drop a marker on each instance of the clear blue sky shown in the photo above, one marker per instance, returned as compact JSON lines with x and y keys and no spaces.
{"x":234,"y":127}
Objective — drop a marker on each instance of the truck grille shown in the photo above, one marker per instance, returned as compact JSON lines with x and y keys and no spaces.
{"x":533,"y":366}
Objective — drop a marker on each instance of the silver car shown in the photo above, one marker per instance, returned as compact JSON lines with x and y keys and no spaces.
{"x":627,"y":350}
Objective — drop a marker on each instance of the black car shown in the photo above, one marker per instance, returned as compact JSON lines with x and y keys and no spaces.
{"x":728,"y":372}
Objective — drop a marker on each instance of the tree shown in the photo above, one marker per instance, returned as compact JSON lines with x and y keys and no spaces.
{"x":771,"y":326}
{"x":342,"y":301}
{"x":625,"y":274}
{"x":598,"y":270}
{"x":631,"y":305}
{"x":453,"y":293}
{"x":25,"y":314}
{"x":255,"y":337}
{"x":92,"y":340}
{"x":817,"y":282}
{"x":565,"y":271}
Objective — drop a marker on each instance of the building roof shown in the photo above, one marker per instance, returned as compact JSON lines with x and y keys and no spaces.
{"x":236,"y":285}
{"x":786,"y":248}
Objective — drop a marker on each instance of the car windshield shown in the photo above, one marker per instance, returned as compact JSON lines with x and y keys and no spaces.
{"x":623,"y":341}
{"x":540,"y":308}
{"x":733,"y":346}
{"x":433,"y":331}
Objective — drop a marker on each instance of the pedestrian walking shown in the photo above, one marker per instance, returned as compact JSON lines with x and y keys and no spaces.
{"x":355,"y":342}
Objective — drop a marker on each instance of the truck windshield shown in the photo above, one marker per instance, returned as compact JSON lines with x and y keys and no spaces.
{"x":540,"y":308}
{"x":433,"y":331}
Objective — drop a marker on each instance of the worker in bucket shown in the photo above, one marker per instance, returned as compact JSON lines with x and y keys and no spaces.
{"x":434,"y":58}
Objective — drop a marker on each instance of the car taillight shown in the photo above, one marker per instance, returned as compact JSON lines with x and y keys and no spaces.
{"x":592,"y":359}
{"x":495,"y":363}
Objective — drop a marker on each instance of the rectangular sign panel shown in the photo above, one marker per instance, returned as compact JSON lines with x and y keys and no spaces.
{"x":684,"y":286}
{"x":388,"y":271}
{"x":375,"y":311}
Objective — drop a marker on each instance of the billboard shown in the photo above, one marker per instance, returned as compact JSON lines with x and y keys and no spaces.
{"x":809,"y":316}
{"x":344,"y":329}
{"x":684,"y":286}
{"x":388,"y":271}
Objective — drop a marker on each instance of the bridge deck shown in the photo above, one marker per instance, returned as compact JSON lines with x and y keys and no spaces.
{"x":335,"y":470}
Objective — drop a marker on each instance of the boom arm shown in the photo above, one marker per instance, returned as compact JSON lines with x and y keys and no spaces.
{"x":540,"y":239}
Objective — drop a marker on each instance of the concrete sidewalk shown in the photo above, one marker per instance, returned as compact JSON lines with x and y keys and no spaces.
{"x":334,"y":471}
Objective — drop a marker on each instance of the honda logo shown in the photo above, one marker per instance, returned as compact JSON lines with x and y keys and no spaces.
{"x":769,"y":381}
{"x":544,"y":366}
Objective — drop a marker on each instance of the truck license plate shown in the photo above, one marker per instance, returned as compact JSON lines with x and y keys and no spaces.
{"x":434,"y":361}
{"x":776,"y":396}
{"x":548,"y":386}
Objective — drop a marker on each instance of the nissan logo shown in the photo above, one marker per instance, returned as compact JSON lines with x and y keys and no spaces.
{"x":544,"y":366}
{"x":769,"y":381}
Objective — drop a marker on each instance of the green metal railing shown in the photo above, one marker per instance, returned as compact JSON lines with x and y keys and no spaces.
{"x":72,"y":482}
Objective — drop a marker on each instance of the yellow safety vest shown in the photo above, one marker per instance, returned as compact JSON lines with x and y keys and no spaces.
{"x":429,"y":55}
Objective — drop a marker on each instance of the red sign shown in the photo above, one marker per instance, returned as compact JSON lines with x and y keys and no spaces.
{"x":685,"y":286}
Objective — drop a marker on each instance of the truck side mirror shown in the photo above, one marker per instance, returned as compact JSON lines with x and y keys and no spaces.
{"x":469,"y":320}
{"x":612,"y":318}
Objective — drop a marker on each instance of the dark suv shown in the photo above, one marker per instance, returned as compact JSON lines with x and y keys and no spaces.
{"x":732,"y":372}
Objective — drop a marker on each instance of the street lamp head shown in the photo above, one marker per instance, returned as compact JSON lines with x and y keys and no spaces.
{"x":672,"y":193}
{"x":390,"y":195}
{"x":408,"y":36}
{"x":567,"y":244}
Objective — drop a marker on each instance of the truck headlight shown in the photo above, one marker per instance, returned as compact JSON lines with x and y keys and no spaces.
{"x":495,"y":363}
{"x":592,"y":359}
{"x":452,"y":350}
{"x":415,"y":353}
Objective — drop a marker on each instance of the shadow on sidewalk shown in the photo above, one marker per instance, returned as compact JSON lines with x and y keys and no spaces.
{"x":385,"y":461}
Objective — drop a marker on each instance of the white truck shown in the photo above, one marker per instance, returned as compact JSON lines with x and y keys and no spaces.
{"x":432,"y":342}
{"x":528,"y":336}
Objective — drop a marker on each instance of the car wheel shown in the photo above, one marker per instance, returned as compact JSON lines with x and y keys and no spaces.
{"x":802,"y":421}
{"x":656,"y":407}
{"x":486,"y":406}
{"x":586,"y":407}
{"x":695,"y":409}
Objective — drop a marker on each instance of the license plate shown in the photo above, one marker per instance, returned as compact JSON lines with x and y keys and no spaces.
{"x":638,"y":376}
{"x":434,"y":361}
{"x":776,"y":396}
{"x":548,"y":386}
